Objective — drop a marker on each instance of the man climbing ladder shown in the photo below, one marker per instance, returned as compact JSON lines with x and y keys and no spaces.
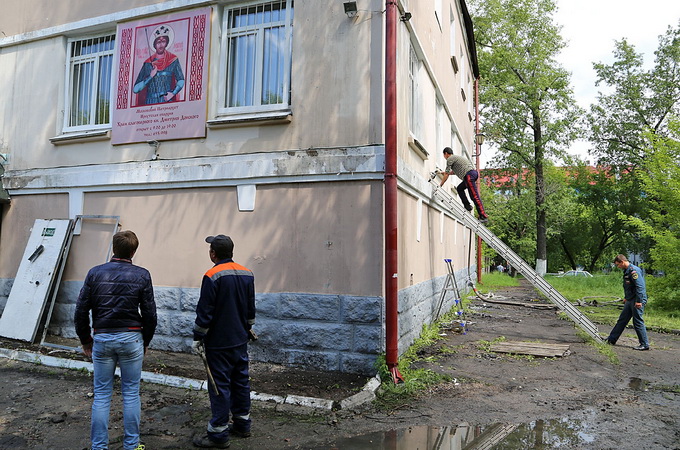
{"x":464,"y":170}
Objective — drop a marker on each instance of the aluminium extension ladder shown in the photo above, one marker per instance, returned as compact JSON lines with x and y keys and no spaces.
{"x":469,"y":220}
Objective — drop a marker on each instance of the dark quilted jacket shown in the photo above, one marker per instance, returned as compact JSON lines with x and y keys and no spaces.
{"x":120,"y":296}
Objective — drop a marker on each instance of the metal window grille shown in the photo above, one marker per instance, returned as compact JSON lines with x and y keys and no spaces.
{"x":89,"y":82}
{"x":258,"y":55}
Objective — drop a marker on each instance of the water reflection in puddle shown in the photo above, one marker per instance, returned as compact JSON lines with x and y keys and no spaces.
{"x":638,"y":384}
{"x":541,"y":434}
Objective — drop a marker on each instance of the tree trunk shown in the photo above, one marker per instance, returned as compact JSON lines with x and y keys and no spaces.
{"x":541,"y":230}
{"x":567,"y":253}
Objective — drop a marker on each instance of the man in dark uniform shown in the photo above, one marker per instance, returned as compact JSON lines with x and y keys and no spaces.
{"x":224,"y":316}
{"x":463,"y":169}
{"x":635,"y":298}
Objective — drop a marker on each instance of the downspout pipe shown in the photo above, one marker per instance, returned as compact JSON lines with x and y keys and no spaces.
{"x":478,"y":148}
{"x":391,"y":217}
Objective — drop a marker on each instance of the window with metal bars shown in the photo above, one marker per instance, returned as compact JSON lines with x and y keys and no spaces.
{"x":88,"y":99}
{"x":256,"y":57}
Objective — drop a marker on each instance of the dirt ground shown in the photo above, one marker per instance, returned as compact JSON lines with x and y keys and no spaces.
{"x":632,"y":404}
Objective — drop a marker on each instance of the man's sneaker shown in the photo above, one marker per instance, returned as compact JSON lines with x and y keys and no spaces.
{"x":140,"y":447}
{"x":206,"y":442}
{"x":641,"y":347}
{"x":484,"y":220}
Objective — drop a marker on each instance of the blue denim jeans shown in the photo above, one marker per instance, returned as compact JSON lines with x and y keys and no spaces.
{"x":127,"y":350}
{"x":630,"y":311}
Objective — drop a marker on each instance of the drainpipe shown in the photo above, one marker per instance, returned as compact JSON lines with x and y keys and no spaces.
{"x":478,"y":148}
{"x":391,"y":217}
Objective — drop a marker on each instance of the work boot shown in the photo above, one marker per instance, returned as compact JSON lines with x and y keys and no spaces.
{"x":609,"y":342}
{"x":468,"y":207}
{"x":238,"y":432}
{"x":206,"y":442}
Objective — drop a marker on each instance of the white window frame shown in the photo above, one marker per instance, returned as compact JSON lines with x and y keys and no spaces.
{"x":455,"y":146}
{"x":415,"y":100}
{"x":438,"y":13}
{"x":439,"y":127}
{"x":463,"y":67}
{"x":452,"y":40}
{"x":258,"y":30}
{"x":71,"y":63}
{"x":468,"y":87}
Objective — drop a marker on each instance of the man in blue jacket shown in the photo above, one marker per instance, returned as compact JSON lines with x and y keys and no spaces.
{"x":224,"y":316}
{"x":120,"y":296}
{"x":635,"y":298}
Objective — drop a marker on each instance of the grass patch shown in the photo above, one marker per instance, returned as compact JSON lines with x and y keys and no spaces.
{"x":610,"y":287}
{"x":575,"y":288}
{"x":674,"y":388}
{"x":608,"y":351}
{"x":391,"y":396}
{"x":495,"y":280}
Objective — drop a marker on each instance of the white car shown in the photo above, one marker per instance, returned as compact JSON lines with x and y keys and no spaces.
{"x":575,"y":273}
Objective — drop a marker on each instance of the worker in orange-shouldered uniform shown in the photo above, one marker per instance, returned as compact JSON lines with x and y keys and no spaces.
{"x":225,"y":315}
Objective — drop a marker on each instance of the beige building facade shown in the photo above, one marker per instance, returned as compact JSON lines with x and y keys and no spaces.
{"x":296,"y":181}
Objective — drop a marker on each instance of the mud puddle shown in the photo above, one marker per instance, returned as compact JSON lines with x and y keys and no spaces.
{"x":540,"y":434}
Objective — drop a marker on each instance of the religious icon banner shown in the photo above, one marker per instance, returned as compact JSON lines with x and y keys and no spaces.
{"x":162,"y":78}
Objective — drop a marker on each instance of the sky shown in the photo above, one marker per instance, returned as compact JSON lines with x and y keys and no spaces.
{"x":590,"y":28}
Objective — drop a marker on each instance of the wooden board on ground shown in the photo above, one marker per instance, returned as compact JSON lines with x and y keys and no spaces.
{"x":531,"y":348}
{"x":524,"y":305}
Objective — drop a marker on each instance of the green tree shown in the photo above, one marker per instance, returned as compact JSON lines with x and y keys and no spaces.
{"x":593,"y":231}
{"x":528,"y":109}
{"x":635,"y":100}
{"x":661,"y":181}
{"x":513,"y":207}
{"x":508,"y":198}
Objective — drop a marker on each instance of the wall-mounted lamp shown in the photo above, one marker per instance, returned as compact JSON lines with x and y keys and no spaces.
{"x":406,"y":17}
{"x":350,"y":8}
{"x":479,"y":140}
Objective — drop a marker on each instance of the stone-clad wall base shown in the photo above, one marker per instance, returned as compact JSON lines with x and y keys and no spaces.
{"x":317,"y":332}
{"x":313,"y":331}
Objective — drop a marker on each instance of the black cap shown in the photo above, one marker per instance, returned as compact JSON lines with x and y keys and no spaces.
{"x":223,"y":245}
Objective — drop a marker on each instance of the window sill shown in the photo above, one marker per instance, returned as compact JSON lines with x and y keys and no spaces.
{"x":272,"y":118}
{"x":417,"y":147}
{"x":84,"y":136}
